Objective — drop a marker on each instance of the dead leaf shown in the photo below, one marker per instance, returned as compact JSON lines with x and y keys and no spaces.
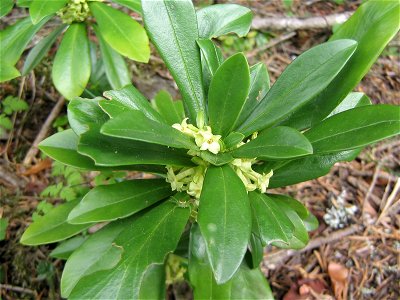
{"x":40,"y":166}
{"x":339,"y":275}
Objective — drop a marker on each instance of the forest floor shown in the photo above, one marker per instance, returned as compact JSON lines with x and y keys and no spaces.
{"x":355,"y":257}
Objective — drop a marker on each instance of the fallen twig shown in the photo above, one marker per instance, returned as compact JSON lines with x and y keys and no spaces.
{"x":293,"y":23}
{"x":272,"y":43}
{"x":33,"y":151}
{"x":273,"y":260}
{"x":17,"y":289}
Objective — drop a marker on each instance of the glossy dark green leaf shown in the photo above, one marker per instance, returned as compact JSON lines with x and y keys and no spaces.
{"x":98,"y":253}
{"x":372,"y":37}
{"x":71,"y":68}
{"x":302,"y":80}
{"x":121,"y":32}
{"x":211,"y":59}
{"x":146,"y":240}
{"x":113,"y":108}
{"x":275,"y":143}
{"x":152,"y":285}
{"x":233,"y":139}
{"x":130,"y":97}
{"x":219,"y":159}
{"x":307,"y":168}
{"x":299,"y":239}
{"x":14,"y":39}
{"x":352,"y":100}
{"x":66,"y":248}
{"x":109,"y":151}
{"x":131,"y":4}
{"x":53,"y":226}
{"x":355,"y":128}
{"x":119,"y":200}
{"x":225,"y":220}
{"x":62,"y":147}
{"x":291,"y":203}
{"x":37,"y":53}
{"x":250,"y":284}
{"x":116,"y":69}
{"x":5,"y":7}
{"x":172,"y":111}
{"x":172,"y":27}
{"x":200,"y":272}
{"x":135,"y":125}
{"x":220,"y":19}
{"x":257,"y":250}
{"x":269,"y":219}
{"x":311,"y":222}
{"x":40,"y":9}
{"x":228,"y":92}
{"x":259,"y":86}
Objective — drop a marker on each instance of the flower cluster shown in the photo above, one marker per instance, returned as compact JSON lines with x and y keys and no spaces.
{"x":250,"y":178}
{"x":189,"y":180}
{"x":203,"y":136}
{"x":75,"y":11}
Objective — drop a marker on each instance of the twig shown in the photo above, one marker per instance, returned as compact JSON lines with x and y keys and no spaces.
{"x":275,"y":259}
{"x":369,"y":193}
{"x":33,"y":151}
{"x":17,"y":289}
{"x":389,"y":201}
{"x":272,"y":43}
{"x":292,"y":23}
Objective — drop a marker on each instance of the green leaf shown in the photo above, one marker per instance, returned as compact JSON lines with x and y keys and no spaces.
{"x":136,"y":126}
{"x":299,"y":239}
{"x":275,"y":143}
{"x":3,"y":228}
{"x":302,"y":80}
{"x":269,"y":221}
{"x":219,"y":159}
{"x":233,"y":139}
{"x":220,"y":19}
{"x":259,"y":86}
{"x":53,"y":226}
{"x":311,"y":222}
{"x":172,"y":111}
{"x":200,"y":272}
{"x":113,"y":152}
{"x":352,"y":100}
{"x":99,"y":252}
{"x":172,"y":27}
{"x":257,"y":250}
{"x":228,"y":92}
{"x":62,"y":147}
{"x":5,"y":7}
{"x":211,"y":59}
{"x":372,"y":37}
{"x":145,"y":240}
{"x":152,"y":285}
{"x":71,"y":68}
{"x":130,"y":97}
{"x":355,"y":128}
{"x":119,"y":200}
{"x":121,"y":32}
{"x":37,"y":53}
{"x":307,"y":168}
{"x":131,"y":4}
{"x":14,"y":39}
{"x":66,"y":248}
{"x":290,"y":203}
{"x":116,"y":69}
{"x":8,"y":72}
{"x":250,"y":284}
{"x":24,"y":3}
{"x":40,"y":9}
{"x":225,"y":220}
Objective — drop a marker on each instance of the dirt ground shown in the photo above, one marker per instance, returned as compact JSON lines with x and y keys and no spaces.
{"x":355,"y":258}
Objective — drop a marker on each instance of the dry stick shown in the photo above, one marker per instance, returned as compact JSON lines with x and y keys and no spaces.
{"x":17,"y":289}
{"x":389,"y":201}
{"x":33,"y":151}
{"x":272,"y":43}
{"x":275,"y":259}
{"x":293,"y":23}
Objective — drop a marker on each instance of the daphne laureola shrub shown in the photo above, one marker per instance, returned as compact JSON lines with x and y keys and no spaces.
{"x":207,"y":214}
